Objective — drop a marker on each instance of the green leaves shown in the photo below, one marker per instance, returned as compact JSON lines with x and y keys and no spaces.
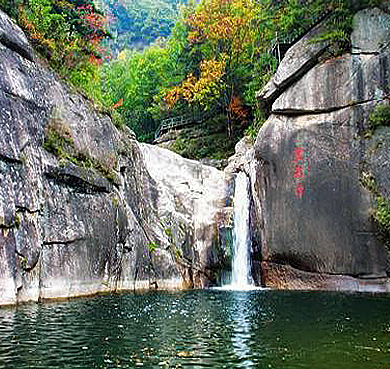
{"x":138,"y":23}
{"x":383,"y":213}
{"x":152,"y":247}
{"x":137,"y":77}
{"x":382,"y":218}
{"x":380,"y":116}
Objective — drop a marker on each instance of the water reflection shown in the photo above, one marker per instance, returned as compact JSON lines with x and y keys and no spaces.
{"x":242,"y":334}
{"x":200,"y":329}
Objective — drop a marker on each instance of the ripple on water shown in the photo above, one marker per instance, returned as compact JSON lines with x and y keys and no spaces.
{"x":200,"y":329}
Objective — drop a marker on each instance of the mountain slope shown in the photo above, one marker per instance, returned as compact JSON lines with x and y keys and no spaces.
{"x":138,"y":23}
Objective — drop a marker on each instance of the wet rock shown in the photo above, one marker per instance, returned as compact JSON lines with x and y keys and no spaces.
{"x":286,"y":277}
{"x":242,"y":157}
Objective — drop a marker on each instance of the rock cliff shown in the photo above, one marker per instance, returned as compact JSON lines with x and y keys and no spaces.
{"x":314,"y":208}
{"x":83,"y":206}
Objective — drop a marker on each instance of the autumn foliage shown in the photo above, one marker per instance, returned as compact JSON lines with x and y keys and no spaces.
{"x":238,"y":111}
{"x":202,"y":90}
{"x":223,"y":33}
{"x":229,"y":21}
{"x":67,"y":32}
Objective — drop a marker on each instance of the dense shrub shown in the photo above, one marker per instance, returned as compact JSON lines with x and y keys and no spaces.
{"x":68,"y":33}
{"x":380,"y":116}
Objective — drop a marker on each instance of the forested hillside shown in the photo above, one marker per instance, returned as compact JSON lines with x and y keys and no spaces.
{"x":210,"y":64}
{"x":216,"y":58}
{"x":137,"y":23}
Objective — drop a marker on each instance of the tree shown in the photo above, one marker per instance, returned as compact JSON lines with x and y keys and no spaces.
{"x":66,"y":32}
{"x":224,"y":33}
{"x":135,"y":78}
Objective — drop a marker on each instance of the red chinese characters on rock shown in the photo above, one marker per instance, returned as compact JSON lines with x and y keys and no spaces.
{"x":301,"y":167}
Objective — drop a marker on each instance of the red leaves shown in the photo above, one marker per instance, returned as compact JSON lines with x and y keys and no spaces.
{"x":237,"y":110}
{"x":118,"y":104}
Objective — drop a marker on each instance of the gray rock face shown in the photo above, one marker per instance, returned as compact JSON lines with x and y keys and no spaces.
{"x":190,"y":201}
{"x":80,"y":213}
{"x":63,"y":226}
{"x":14,"y":38}
{"x":297,"y":61}
{"x":314,"y":213}
{"x":337,"y":83}
{"x":318,"y":214}
{"x":240,"y":161}
{"x":371,"y":31}
{"x":347,"y":80}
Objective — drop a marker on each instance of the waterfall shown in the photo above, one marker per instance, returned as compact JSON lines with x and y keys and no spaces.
{"x":241,"y":270}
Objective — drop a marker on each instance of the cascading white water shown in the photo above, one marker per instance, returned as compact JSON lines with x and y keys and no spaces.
{"x":241,"y":271}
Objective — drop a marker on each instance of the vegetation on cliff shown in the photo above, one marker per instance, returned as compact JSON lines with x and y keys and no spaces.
{"x":68,"y":33}
{"x":381,"y":213}
{"x":380,"y":117}
{"x":218,"y":55}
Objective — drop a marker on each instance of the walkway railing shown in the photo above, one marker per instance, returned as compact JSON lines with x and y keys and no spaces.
{"x":278,"y":50}
{"x":280,"y":47}
{"x":173,"y":123}
{"x":182,"y":121}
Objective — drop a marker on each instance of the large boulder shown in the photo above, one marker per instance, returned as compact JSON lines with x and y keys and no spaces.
{"x":189,"y":209}
{"x":13,"y":37}
{"x":337,"y":83}
{"x":299,"y":58}
{"x":318,"y":167}
{"x":318,"y":214}
{"x":371,"y":31}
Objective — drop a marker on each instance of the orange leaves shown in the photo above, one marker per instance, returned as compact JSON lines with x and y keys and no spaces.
{"x":172,"y":96}
{"x":203,"y":90}
{"x":26,"y":23}
{"x":237,"y":110}
{"x":185,"y":91}
{"x":118,"y":104}
{"x":221,"y":20}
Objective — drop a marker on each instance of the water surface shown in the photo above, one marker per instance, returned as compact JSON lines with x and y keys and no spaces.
{"x":200,"y":329}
